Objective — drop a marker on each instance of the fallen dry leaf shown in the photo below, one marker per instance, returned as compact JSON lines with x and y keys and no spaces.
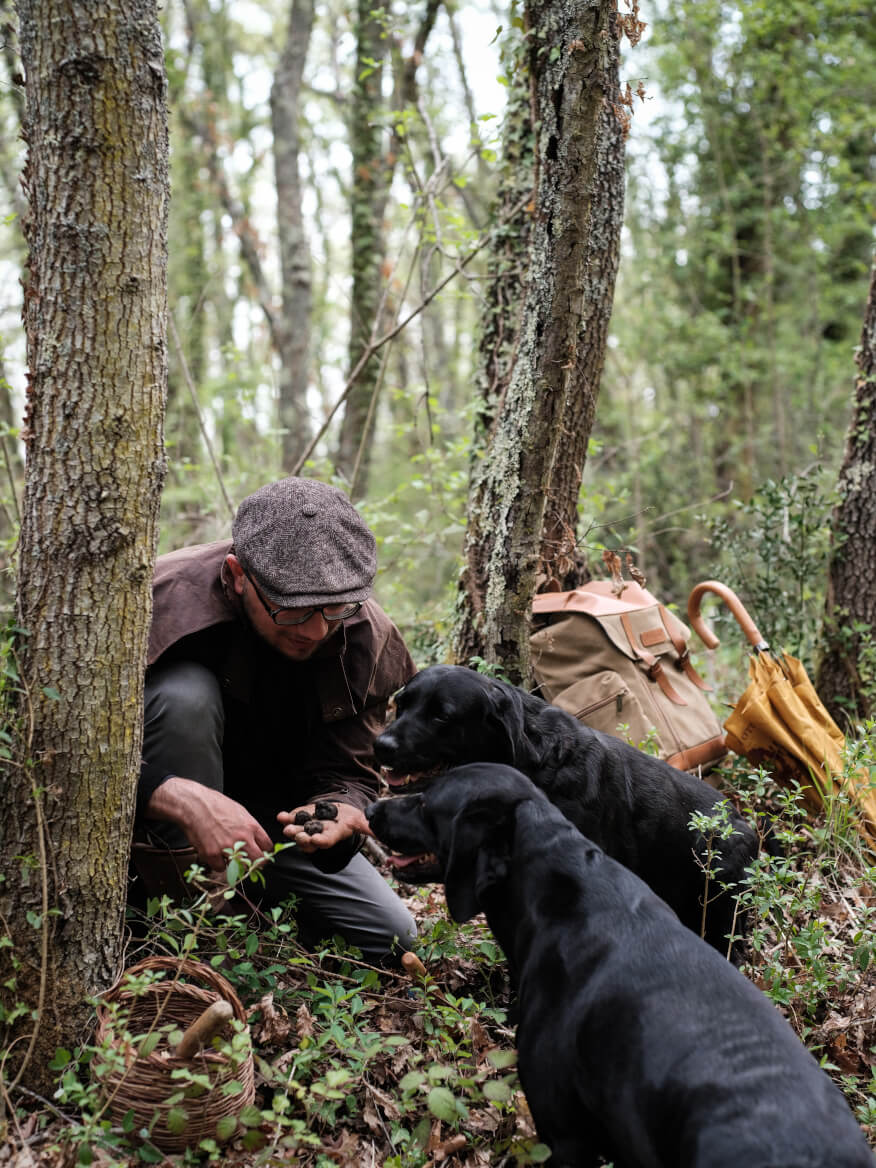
{"x":273,"y":1027}
{"x":304,"y":1022}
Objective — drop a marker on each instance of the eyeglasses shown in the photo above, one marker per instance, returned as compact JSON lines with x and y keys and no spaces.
{"x":298,"y":616}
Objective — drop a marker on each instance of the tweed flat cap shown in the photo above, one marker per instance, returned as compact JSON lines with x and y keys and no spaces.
{"x":305,"y":544}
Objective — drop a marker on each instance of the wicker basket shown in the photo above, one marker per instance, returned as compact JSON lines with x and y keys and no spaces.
{"x":144,"y":1084}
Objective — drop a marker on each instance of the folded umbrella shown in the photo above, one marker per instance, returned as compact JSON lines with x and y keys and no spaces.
{"x":781,"y":721}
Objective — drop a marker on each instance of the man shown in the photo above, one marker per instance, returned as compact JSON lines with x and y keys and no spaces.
{"x":269,"y":674}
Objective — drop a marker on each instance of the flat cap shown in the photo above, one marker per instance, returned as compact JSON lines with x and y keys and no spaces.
{"x":305,"y":544}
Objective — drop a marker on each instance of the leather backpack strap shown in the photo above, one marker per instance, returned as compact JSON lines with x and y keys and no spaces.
{"x":684,"y":662}
{"x":653,"y":665}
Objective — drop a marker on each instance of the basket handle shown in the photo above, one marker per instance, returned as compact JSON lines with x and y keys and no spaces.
{"x":204,"y":1028}
{"x":735,"y":605}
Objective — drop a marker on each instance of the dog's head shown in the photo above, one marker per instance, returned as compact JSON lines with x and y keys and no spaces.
{"x":447,"y":716}
{"x":459,"y":831}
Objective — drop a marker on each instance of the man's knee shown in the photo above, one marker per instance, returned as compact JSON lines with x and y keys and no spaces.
{"x":185,"y":692}
{"x":400,"y":929}
{"x":184,"y":722}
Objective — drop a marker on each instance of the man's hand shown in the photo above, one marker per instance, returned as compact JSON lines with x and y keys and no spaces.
{"x":211,"y":821}
{"x":349,"y":819}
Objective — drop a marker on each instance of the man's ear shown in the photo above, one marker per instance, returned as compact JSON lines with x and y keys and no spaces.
{"x":238,"y":577}
{"x":478,"y":859}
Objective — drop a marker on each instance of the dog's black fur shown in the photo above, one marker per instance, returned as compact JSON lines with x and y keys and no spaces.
{"x":636,"y":1041}
{"x":635,"y":807}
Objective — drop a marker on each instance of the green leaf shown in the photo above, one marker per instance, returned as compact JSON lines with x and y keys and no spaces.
{"x":177,"y":1120}
{"x":84,"y":1154}
{"x":149,"y":1154}
{"x":148,"y":1044}
{"x":251,"y":1116}
{"x":232,"y":872}
{"x":254,"y":1139}
{"x":252,"y":943}
{"x":442,"y":1104}
{"x":498,"y":1091}
{"x":412,"y":1080}
{"x":51,"y":693}
{"x":421,"y":1133}
{"x":502,"y":1058}
{"x":538,"y":1153}
{"x":62,"y":1057}
{"x":226,"y":1126}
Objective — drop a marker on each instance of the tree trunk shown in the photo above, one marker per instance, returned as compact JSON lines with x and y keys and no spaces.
{"x":373,"y":168}
{"x":95,"y":309}
{"x":293,"y":324}
{"x":602,"y":177}
{"x":367,"y":236}
{"x":572,"y":261}
{"x":846,"y":679}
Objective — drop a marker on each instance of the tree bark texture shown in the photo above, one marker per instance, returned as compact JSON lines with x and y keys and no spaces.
{"x":95,"y":314}
{"x":367,"y":241}
{"x":293,"y":324}
{"x":374,"y":162}
{"x":560,"y":557}
{"x":531,"y":453}
{"x":846,"y":677}
{"x":507,"y":259}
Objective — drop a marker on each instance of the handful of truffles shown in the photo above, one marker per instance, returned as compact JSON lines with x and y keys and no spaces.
{"x":313,"y":823}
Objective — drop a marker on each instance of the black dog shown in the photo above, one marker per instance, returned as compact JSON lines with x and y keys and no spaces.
{"x":636,"y":1041}
{"x":637,"y":808}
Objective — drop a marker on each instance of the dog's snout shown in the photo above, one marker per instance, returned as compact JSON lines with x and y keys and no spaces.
{"x":385,"y":746}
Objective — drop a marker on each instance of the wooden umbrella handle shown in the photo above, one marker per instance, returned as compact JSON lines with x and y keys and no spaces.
{"x":413,"y":965}
{"x":204,"y":1028}
{"x":735,"y":605}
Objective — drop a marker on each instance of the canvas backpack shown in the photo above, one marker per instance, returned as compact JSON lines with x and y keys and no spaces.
{"x":620,"y":664}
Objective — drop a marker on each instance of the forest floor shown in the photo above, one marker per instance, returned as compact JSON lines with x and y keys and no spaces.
{"x":359,"y":1066}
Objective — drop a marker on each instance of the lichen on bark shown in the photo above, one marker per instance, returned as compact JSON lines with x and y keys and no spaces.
{"x":577,"y":174}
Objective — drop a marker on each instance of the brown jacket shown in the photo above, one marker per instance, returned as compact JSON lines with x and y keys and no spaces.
{"x":294,"y":731}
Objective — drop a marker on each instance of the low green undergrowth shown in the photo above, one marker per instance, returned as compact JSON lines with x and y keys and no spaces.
{"x":359,"y":1065}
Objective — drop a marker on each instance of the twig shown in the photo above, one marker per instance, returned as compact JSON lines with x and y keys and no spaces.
{"x":41,"y":1099}
{"x":374,"y":346}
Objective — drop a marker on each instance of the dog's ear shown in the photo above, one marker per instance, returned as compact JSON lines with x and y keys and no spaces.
{"x":505,"y":721}
{"x":477,"y":860}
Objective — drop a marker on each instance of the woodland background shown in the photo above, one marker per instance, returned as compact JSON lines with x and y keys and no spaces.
{"x":364,"y":203}
{"x":747,"y":239}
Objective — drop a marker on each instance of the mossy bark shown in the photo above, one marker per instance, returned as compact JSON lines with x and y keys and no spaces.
{"x":370,"y":183}
{"x":375,"y":156}
{"x":525,"y":487}
{"x":846,"y":678}
{"x":95,"y":315}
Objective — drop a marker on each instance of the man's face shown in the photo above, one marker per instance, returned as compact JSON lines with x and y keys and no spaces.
{"x":296,"y":642}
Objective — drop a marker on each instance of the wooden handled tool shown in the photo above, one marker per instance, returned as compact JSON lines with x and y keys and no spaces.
{"x":204,"y":1028}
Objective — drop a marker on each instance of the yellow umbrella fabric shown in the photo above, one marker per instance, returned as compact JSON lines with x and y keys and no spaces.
{"x":781,"y":720}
